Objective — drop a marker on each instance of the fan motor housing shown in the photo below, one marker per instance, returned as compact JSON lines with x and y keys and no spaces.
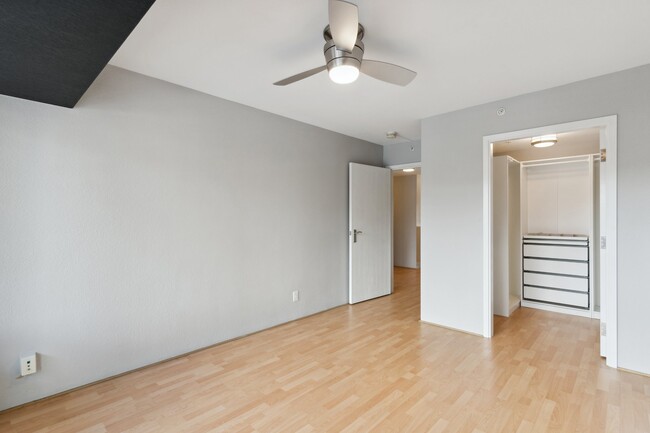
{"x":335,"y":57}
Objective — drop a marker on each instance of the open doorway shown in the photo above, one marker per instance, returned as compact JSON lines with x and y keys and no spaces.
{"x":545,"y":218}
{"x":406,"y":218}
{"x":549,"y":214}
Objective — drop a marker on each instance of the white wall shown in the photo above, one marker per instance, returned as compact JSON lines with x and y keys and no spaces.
{"x":506,"y":234}
{"x":152,"y":220}
{"x":514,"y":230}
{"x":558,"y":198}
{"x":404,"y":219}
{"x":500,"y":236}
{"x":452,"y":199}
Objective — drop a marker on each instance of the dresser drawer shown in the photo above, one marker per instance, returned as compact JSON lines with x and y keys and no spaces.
{"x":564,"y":252}
{"x":580,"y":300}
{"x":557,"y":267}
{"x":556,"y":281}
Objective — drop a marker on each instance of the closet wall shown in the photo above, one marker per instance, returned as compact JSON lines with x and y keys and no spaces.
{"x":506,"y":235}
{"x":558,"y":198}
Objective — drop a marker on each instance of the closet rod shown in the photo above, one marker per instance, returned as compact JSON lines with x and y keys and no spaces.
{"x":555,"y":161}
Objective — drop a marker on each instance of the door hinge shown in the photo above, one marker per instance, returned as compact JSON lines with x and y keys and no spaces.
{"x":603,"y":242}
{"x":603,"y":155}
{"x":603,"y":329}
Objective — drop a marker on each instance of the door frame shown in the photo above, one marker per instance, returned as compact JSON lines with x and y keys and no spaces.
{"x":608,"y":140}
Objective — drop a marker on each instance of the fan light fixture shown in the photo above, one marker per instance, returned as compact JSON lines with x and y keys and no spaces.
{"x":544,"y":141}
{"x":408,"y":170}
{"x":344,"y":74}
{"x":343,"y":51}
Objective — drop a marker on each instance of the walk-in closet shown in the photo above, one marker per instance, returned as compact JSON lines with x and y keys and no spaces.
{"x":545,"y":223}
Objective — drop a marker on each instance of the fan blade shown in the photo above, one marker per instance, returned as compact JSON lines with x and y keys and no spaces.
{"x":300,"y":76}
{"x":344,"y":24}
{"x":387,"y":72}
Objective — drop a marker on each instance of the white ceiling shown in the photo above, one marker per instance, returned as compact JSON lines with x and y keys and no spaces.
{"x":581,"y":138}
{"x":465,"y":52}
{"x":582,"y":142}
{"x":401,"y":172}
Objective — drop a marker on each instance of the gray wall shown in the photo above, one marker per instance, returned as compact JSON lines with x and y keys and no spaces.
{"x":404,"y":229}
{"x":401,"y":153}
{"x":452,"y":199}
{"x":153,"y":220}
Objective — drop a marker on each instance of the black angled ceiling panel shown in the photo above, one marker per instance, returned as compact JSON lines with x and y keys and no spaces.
{"x":52,"y":50}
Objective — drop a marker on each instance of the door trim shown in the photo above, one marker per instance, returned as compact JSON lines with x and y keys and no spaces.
{"x":609,"y":312}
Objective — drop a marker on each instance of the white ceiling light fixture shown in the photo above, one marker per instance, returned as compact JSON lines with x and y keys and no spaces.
{"x":391,"y":135}
{"x":344,"y":74}
{"x":408,"y":170}
{"x":544,"y":140}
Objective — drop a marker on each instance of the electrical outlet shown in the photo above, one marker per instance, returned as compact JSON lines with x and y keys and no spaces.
{"x":296,"y":296}
{"x":28,"y":364}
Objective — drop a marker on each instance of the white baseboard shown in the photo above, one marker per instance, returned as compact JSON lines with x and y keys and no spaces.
{"x":514,"y":306}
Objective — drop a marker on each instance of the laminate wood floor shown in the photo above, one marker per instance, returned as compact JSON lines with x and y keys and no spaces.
{"x":371,"y":367}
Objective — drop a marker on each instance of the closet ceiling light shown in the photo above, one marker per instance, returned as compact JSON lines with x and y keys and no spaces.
{"x":408,"y":170}
{"x":544,"y":141}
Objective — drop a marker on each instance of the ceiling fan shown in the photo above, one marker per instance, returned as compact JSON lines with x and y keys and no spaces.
{"x":344,"y":52}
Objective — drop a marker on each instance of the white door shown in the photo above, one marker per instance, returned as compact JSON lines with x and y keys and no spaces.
{"x":601,"y":245}
{"x":371,"y":254}
{"x":607,"y":244}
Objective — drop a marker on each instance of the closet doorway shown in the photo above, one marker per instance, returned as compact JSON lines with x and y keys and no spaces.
{"x":550,"y":224}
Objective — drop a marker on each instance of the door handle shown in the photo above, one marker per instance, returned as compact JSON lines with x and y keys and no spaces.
{"x":356,"y":232}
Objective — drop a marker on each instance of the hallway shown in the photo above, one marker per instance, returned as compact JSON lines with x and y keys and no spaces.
{"x":369,"y":367}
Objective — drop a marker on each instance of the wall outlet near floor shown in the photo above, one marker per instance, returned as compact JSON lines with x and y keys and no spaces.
{"x":296,"y":295}
{"x":28,"y":364}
